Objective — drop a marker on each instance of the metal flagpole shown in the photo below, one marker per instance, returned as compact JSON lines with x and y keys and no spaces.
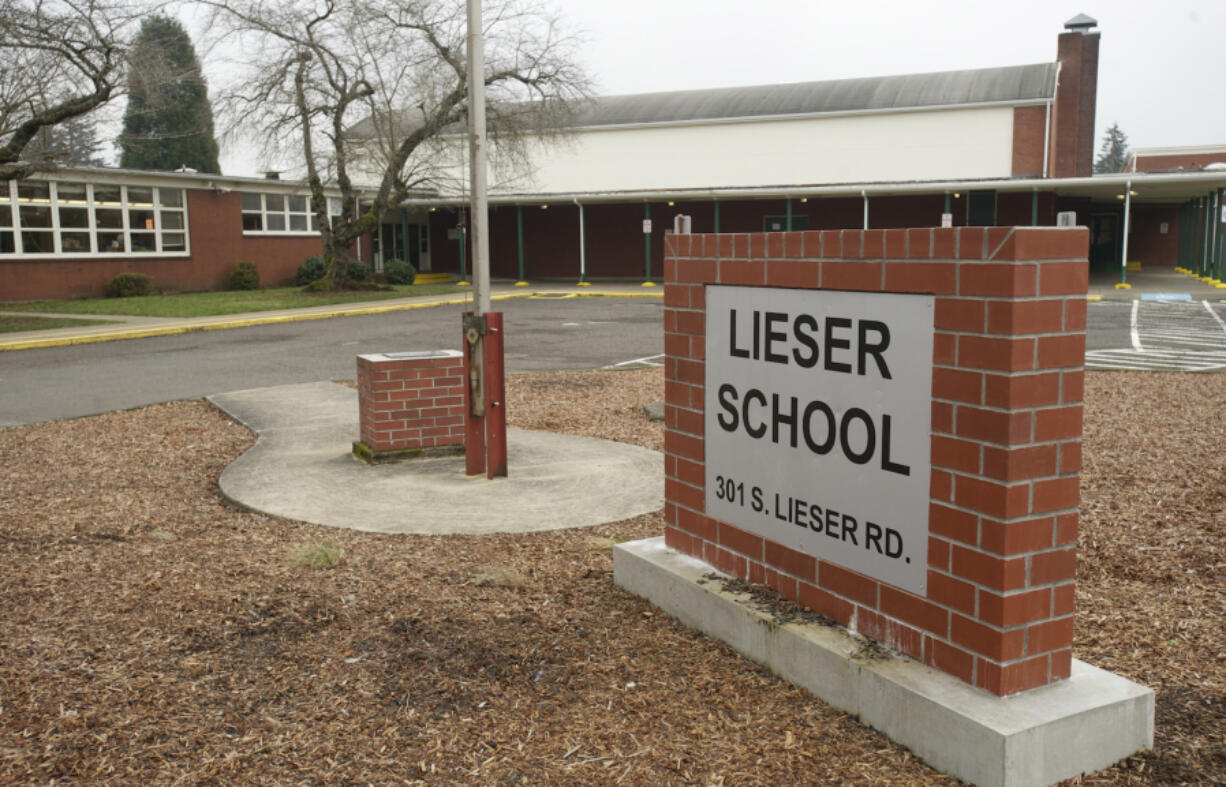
{"x":487,"y":424}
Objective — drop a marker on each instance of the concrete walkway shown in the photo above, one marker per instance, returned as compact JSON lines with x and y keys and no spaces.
{"x":301,"y":468}
{"x":126,"y":327}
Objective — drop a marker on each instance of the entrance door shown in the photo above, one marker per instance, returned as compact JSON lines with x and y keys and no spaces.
{"x":1104,"y":242}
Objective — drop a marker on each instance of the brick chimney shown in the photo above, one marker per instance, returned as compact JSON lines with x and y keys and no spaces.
{"x":1072,"y":142}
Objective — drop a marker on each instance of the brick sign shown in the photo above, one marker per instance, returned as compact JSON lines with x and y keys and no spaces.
{"x":818,"y":416}
{"x":969,"y":467}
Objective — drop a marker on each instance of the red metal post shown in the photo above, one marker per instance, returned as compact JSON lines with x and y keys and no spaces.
{"x":474,"y":425}
{"x":495,"y":399}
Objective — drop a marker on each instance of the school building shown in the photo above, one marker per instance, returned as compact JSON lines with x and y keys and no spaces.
{"x":999,"y":146}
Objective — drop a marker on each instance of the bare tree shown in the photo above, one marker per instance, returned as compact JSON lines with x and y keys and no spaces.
{"x":59,"y":59}
{"x":368,"y":88}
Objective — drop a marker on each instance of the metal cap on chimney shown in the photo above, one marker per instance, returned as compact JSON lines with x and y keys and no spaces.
{"x":1081,"y":24}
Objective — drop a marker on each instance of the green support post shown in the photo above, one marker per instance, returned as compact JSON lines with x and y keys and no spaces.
{"x":1210,"y":233}
{"x":404,"y":235}
{"x":1180,"y":241}
{"x":1221,"y":246}
{"x":463,"y":248}
{"x":1185,"y":236}
{"x":647,"y":243}
{"x":1202,"y":227}
{"x":519,"y":230}
{"x":788,"y":225}
{"x":1034,"y":208}
{"x":717,"y":215}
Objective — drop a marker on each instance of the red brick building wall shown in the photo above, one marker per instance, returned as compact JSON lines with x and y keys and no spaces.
{"x":1189,"y":160}
{"x":614,"y":231}
{"x":1007,"y":377}
{"x":1029,"y":135}
{"x":217,"y":242}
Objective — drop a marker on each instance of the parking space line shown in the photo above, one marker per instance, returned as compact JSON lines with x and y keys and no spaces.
{"x":646,"y":362}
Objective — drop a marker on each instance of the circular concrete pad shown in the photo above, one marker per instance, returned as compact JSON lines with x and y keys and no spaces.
{"x":301,"y":468}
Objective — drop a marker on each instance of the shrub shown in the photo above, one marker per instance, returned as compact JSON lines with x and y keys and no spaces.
{"x":398,"y":272}
{"x":311,"y":270}
{"x":127,"y":285}
{"x":356,"y":270}
{"x":245,"y":276}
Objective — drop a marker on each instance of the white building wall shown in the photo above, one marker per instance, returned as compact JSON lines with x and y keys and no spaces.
{"x":930,"y":145}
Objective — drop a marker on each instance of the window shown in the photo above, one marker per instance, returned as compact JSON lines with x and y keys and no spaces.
{"x":282,"y":213}
{"x":74,"y":219}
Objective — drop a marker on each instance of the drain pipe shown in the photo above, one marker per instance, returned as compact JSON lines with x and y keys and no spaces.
{"x":583,"y":282}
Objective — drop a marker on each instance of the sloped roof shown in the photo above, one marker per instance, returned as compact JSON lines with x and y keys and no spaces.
{"x":1010,"y":84}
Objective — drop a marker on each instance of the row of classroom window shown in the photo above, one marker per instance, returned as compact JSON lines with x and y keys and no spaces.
{"x":77,"y":219}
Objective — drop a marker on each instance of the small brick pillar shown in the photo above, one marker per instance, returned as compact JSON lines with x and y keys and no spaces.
{"x":410,"y":403}
{"x":1007,"y":379}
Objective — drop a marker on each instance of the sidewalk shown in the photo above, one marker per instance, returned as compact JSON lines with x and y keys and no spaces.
{"x":125,"y":327}
{"x":301,"y":468}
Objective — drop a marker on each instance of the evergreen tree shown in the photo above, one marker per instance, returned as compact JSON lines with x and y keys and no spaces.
{"x":1113,"y":152}
{"x":74,"y":143}
{"x":169,"y":121}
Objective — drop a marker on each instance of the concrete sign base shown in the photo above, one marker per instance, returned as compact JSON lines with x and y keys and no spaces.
{"x":1079,"y":725}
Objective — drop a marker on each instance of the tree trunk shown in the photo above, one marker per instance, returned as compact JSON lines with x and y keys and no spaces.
{"x":336,"y":263}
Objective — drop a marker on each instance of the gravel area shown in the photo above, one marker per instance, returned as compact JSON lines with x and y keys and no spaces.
{"x":151,"y":634}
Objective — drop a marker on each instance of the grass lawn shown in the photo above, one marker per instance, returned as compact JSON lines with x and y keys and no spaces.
{"x":11,"y":323}
{"x":206,"y":304}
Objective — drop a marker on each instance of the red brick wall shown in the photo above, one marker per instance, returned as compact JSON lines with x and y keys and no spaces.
{"x":614,"y":231}
{"x":1006,"y":437}
{"x":217,"y":243}
{"x":1179,"y":161}
{"x":1029,"y":134}
{"x":406,"y":403}
{"x":1147,"y":244}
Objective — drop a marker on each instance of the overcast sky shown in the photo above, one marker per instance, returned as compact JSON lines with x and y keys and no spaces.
{"x":1160,"y":73}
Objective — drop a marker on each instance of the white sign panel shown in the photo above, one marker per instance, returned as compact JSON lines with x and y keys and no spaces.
{"x":947,"y":219}
{"x":646,"y":226}
{"x":818,"y":423}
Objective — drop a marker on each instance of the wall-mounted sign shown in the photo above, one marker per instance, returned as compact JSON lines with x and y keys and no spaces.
{"x":947,"y":219}
{"x":646,"y":226}
{"x":818,"y":423}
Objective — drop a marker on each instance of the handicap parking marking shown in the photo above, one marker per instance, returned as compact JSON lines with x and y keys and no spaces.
{"x":1166,"y":296}
{"x":1154,"y":361}
{"x":647,"y":362}
{"x":1168,"y":334}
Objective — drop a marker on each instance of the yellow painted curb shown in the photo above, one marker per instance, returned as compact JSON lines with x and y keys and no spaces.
{"x":1094,"y":297}
{"x":280,"y":319}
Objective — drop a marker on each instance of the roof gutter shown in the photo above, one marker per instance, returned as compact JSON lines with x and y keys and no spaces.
{"x":841,"y":190}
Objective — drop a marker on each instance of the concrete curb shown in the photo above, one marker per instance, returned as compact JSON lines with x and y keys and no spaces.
{"x":1045,"y":735}
{"x":207,"y":324}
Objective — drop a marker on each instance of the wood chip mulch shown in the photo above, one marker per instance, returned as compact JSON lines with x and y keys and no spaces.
{"x":151,"y":634}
